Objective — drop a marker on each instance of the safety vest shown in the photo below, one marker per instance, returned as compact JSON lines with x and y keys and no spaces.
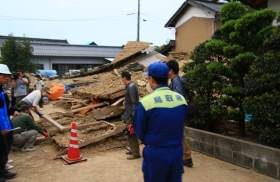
{"x":160,"y":118}
{"x":5,"y":123}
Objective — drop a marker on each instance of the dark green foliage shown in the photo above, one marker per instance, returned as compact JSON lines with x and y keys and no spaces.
{"x":238,"y":72}
{"x":232,"y":11}
{"x":263,"y":87}
{"x":17,"y":55}
{"x":231,"y":51}
{"x":242,"y":62}
{"x":266,"y":114}
{"x":249,"y":28}
{"x":215,"y":47}
{"x":161,"y":47}
{"x":200,"y":53}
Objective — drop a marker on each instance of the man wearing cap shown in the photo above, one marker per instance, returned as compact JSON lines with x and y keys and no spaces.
{"x":6,"y":137}
{"x":159,"y":123}
{"x":178,"y":86}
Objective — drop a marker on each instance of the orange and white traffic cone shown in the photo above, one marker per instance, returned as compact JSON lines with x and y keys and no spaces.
{"x":73,"y":155}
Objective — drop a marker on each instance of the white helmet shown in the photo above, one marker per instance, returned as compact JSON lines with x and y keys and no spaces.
{"x":4,"y":69}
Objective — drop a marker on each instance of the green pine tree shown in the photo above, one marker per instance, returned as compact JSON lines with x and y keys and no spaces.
{"x":17,"y":55}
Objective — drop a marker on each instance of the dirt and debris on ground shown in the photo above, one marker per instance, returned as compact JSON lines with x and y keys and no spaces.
{"x":107,"y":162}
{"x":95,"y":102}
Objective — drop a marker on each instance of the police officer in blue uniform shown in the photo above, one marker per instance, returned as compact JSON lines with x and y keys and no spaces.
{"x":5,"y":125}
{"x":159,"y":123}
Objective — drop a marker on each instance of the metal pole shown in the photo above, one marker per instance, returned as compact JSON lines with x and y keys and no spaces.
{"x":138,"y":22}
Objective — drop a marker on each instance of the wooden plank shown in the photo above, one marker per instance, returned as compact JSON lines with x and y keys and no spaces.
{"x":91,"y":106}
{"x":116,"y":95}
{"x":53,"y":131}
{"x":117,"y":130}
{"x":76,"y":106}
{"x":107,"y":112}
{"x":34,"y":115}
{"x":95,"y":128}
{"x":119,"y":101}
{"x":53,"y":122}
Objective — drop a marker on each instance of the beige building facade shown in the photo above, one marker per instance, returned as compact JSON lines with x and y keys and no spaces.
{"x":195,"y":22}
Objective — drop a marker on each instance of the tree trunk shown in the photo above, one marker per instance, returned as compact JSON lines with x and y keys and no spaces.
{"x":242,"y":127}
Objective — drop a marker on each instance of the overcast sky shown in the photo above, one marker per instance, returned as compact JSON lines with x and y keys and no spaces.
{"x":81,"y":21}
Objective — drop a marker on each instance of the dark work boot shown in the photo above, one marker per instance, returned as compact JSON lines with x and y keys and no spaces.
{"x":132,"y":157}
{"x":188,"y":163}
{"x":8,"y":175}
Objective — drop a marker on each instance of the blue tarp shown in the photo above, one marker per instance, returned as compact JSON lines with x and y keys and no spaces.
{"x":47,"y":73}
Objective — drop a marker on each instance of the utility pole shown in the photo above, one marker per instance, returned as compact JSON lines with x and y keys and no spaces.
{"x":138,"y":22}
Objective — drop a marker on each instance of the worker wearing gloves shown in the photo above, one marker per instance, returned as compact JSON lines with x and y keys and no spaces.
{"x":130,"y":102}
{"x":25,"y":139}
{"x":159,"y":123}
{"x":178,"y":86}
{"x":34,"y":100}
{"x":5,"y":126}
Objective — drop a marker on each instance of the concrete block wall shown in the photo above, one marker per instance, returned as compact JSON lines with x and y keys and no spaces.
{"x":263,"y":159}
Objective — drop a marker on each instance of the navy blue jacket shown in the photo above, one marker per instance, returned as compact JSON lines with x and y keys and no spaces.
{"x":159,"y":118}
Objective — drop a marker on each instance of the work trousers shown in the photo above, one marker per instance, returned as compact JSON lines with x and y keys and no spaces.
{"x":133,"y":144}
{"x":5,"y":147}
{"x":25,"y":139}
{"x":19,"y":98}
{"x":163,"y":164}
{"x":187,"y":150}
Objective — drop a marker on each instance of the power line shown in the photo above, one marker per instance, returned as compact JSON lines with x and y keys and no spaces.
{"x":3,"y":17}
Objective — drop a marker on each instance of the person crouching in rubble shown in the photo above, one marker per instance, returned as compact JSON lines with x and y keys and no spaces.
{"x":130,"y":102}
{"x":24,"y":139}
{"x":35,"y":100}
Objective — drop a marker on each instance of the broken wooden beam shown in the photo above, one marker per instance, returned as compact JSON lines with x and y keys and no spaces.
{"x":119,"y":101}
{"x":89,"y":107}
{"x":53,"y":122}
{"x":34,"y":115}
{"x":115,"y":131}
{"x":107,"y":112}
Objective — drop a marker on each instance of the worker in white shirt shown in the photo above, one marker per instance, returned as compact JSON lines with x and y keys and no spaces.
{"x":35,"y":100}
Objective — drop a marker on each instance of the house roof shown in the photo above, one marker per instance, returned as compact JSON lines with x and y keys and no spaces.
{"x":133,"y":51}
{"x":169,"y":47}
{"x":61,"y":48}
{"x":75,"y":50}
{"x":210,"y":5}
{"x":130,"y":49}
{"x":35,"y":40}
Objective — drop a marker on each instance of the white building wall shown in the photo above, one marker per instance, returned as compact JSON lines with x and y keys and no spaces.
{"x":43,"y":61}
{"x":274,"y":5}
{"x":48,"y":62}
{"x":194,"y":12}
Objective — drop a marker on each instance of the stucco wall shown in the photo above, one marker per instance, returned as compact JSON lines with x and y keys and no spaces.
{"x":195,"y":12}
{"x":193,"y":32}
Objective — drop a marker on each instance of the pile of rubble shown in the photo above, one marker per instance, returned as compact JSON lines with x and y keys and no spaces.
{"x":95,"y":101}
